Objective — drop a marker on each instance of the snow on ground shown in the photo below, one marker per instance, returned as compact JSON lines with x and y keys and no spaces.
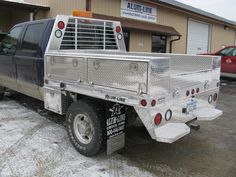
{"x":31,"y":145}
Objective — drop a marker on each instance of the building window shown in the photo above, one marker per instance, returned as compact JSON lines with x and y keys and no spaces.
{"x":126,"y":39}
{"x":159,"y":44}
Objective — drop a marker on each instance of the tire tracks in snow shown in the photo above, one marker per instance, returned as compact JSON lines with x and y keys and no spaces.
{"x":21,"y":143}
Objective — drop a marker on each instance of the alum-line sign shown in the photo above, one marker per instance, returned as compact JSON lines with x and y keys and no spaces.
{"x":138,"y":11}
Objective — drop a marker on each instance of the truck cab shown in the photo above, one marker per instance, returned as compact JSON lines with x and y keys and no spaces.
{"x":21,"y":57}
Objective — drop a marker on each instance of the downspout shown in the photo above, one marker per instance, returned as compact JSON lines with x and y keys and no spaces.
{"x":171,"y":43}
{"x":88,"y":5}
{"x":33,"y":14}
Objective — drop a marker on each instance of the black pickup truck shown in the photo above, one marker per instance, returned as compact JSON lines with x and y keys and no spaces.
{"x":21,"y":57}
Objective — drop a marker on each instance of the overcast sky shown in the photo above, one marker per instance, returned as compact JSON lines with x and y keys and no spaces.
{"x":223,"y":8}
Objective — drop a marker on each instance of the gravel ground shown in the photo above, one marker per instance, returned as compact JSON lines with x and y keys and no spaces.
{"x":33,"y":142}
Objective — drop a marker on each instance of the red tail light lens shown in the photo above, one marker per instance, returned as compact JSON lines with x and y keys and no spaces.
{"x":153,"y":103}
{"x":187,"y":93}
{"x":198,"y":90}
{"x":61,"y":25}
{"x":158,"y":119}
{"x":193,"y":91}
{"x":118,"y":29}
{"x":215,"y":97}
{"x":143,"y":103}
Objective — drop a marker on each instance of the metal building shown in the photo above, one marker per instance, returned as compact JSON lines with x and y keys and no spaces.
{"x":149,"y":25}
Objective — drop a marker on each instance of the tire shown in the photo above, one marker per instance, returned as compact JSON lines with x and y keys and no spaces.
{"x":86,"y":127}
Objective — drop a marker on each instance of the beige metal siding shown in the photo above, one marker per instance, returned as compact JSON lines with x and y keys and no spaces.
{"x":5,"y":21}
{"x":9,"y":18}
{"x":165,"y":16}
{"x":107,"y":7}
{"x":221,"y":37}
{"x":177,"y":20}
{"x":140,"y":41}
{"x":60,"y":6}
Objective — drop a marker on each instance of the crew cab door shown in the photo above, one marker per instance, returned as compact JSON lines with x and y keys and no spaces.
{"x":228,"y":62}
{"x":8,"y":47}
{"x":29,"y":59}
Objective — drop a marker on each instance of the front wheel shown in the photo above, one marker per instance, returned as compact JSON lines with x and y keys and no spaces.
{"x":86,"y":127}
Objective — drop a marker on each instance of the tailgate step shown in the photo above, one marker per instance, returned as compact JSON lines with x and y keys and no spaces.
{"x":207,"y":114}
{"x":171,"y":132}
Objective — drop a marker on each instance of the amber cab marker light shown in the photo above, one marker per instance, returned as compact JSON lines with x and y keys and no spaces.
{"x":80,"y":13}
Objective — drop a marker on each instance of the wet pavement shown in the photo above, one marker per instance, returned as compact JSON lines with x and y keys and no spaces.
{"x":33,"y":142}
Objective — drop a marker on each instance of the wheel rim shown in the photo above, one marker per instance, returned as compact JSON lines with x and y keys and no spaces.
{"x":83,"y":128}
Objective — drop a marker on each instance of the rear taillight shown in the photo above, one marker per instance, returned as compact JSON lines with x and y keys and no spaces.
{"x":187,"y":93}
{"x":198,"y":90}
{"x":118,"y":29}
{"x":61,"y":25}
{"x":143,"y":102}
{"x":215,"y":97}
{"x":193,"y":91}
{"x":153,"y":103}
{"x":158,"y":119}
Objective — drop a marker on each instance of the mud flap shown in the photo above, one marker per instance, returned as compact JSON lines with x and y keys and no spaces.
{"x":115,"y":126}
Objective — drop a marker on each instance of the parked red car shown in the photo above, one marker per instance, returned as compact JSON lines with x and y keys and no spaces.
{"x":228,"y":61}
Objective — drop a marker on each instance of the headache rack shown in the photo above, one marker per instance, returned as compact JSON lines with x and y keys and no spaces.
{"x":89,"y":34}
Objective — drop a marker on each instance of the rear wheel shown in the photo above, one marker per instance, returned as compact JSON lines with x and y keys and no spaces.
{"x":86,"y":127}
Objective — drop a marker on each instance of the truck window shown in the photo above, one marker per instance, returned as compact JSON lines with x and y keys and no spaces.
{"x":90,"y":35}
{"x":32,"y":36}
{"x":8,"y":44}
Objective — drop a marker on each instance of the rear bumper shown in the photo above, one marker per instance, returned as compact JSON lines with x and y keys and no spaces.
{"x":231,"y":75}
{"x":171,"y":132}
{"x":208,"y":114}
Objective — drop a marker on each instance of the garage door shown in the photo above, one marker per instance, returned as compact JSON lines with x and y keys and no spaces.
{"x":198,"y":37}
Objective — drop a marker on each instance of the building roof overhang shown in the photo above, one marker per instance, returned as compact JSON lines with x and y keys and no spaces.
{"x":141,"y":25}
{"x":6,"y":4}
{"x":193,"y":10}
